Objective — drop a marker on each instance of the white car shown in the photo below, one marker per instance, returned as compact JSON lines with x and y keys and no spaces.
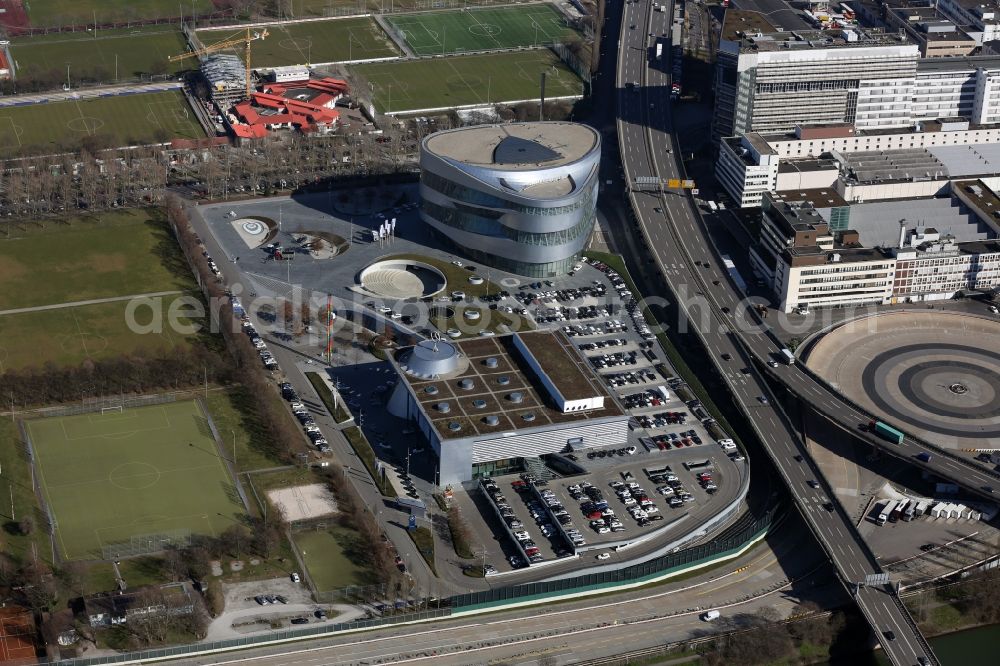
{"x":604,"y":556}
{"x":296,"y":578}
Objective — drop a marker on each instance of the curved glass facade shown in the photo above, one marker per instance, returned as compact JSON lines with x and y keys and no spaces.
{"x":469,"y":206}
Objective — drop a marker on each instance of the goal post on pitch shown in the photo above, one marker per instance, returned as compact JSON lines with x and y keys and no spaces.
{"x":117,"y":409}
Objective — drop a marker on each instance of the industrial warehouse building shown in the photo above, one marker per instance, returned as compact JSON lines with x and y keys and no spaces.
{"x":520,"y":197}
{"x":489,"y":405}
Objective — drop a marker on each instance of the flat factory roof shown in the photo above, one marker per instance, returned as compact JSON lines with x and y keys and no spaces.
{"x":509,"y":391}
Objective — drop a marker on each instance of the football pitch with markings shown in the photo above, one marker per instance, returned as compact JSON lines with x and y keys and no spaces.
{"x":488,"y":29}
{"x":126,"y":119}
{"x":438,"y":83}
{"x":311,"y":42}
{"x":124,"y":478}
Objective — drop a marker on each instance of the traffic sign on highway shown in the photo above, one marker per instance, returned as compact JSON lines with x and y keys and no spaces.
{"x":873,"y":580}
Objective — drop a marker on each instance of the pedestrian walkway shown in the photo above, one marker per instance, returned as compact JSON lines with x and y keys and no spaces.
{"x":93,"y":301}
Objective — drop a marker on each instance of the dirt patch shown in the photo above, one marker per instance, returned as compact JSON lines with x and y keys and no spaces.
{"x":303,"y":502}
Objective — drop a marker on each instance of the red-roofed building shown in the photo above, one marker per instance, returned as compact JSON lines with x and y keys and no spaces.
{"x":307,"y":106}
{"x":4,"y":65}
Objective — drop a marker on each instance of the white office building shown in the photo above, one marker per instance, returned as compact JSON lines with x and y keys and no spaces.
{"x":747,"y":168}
{"x":982,"y":17}
{"x":769,"y":80}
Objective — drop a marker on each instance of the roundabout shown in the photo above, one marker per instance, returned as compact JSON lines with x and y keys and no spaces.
{"x":934,"y":374}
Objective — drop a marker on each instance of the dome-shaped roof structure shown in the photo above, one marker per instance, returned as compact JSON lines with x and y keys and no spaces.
{"x":431,"y":358}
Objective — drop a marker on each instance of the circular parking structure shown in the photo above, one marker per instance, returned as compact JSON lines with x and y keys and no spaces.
{"x":935,"y":374}
{"x":401,"y":279}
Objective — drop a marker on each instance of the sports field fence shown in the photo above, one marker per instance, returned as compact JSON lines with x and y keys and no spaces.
{"x":146,"y":544}
{"x":105,"y":404}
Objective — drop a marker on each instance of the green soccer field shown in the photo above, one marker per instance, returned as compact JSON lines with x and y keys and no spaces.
{"x":47,"y":13}
{"x":334,"y":558}
{"x":136,"y":52}
{"x":123,"y":120}
{"x":442,"y":83}
{"x":497,"y":28}
{"x":124,"y":477}
{"x":337,"y":40}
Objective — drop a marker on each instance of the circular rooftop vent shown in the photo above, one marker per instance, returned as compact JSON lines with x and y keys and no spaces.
{"x":431,"y":390}
{"x":479,"y":404}
{"x":454,"y":426}
{"x":492,"y":420}
{"x":516,"y":397}
{"x":467,"y":384}
{"x":443,"y":407}
{"x":528,"y":416}
{"x":503,"y":380}
{"x":492,"y":362}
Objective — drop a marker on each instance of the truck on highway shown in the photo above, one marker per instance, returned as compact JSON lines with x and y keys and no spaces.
{"x":708,"y":616}
{"x":787,"y":356}
{"x":734,"y":273}
{"x":886,"y":432}
{"x":883,"y":514}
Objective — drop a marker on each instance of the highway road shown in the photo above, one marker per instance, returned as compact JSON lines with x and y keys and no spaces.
{"x":577,"y":630}
{"x":677,"y":239}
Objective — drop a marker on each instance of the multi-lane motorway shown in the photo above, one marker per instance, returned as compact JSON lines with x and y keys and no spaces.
{"x":672,"y":229}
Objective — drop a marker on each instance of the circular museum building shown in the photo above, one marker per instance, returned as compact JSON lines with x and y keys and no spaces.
{"x":520,"y":197}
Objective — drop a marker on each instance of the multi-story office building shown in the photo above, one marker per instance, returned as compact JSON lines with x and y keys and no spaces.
{"x":519,"y":197}
{"x":937,"y":36}
{"x":769,"y":80}
{"x":842,"y":255}
{"x":982,"y":17}
{"x":747,"y":168}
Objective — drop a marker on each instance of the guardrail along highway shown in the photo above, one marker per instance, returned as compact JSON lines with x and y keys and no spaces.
{"x":671,"y":226}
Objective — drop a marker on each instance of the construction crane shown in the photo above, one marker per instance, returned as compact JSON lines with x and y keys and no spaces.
{"x":219,"y":46}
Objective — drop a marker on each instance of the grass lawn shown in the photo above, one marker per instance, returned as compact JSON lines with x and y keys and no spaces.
{"x":335,"y":558}
{"x":82,"y":258}
{"x":69,"y":336}
{"x":364,"y":450}
{"x":17,"y":476}
{"x":47,"y":13}
{"x":119,"y":478}
{"x":442,"y":83}
{"x":423,"y":539}
{"x":315,"y":42}
{"x":499,"y":28}
{"x":124,"y":120}
{"x":340,"y":414}
{"x":313,"y":8}
{"x":232,"y":411}
{"x":137,"y":572}
{"x":456,"y":276}
{"x":140,"y":51}
{"x":489,"y":320}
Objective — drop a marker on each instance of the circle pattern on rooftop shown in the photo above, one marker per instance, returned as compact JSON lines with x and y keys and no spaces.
{"x":934,"y":374}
